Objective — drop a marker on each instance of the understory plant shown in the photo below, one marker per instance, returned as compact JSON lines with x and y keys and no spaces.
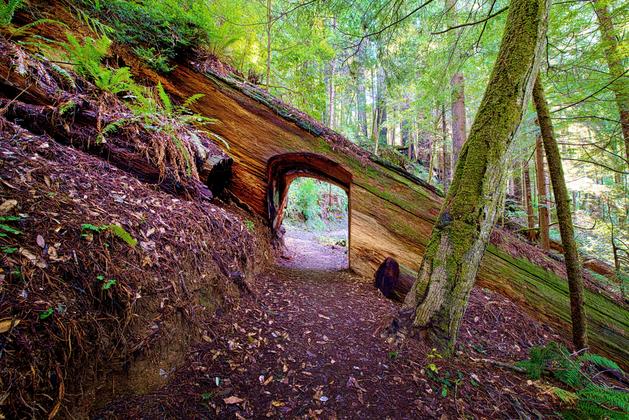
{"x":585,"y":396}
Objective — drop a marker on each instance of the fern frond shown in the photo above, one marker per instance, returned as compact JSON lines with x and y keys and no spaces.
{"x":121,"y":233}
{"x":7,"y":10}
{"x":566,"y":396}
{"x":192,"y":100}
{"x":163,"y":96}
{"x":599,"y":361}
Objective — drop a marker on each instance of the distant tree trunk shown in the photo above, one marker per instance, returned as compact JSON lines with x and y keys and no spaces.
{"x":517,"y":184}
{"x":331,"y":93}
{"x":542,"y":195}
{"x":458,"y":116}
{"x":431,"y":166}
{"x":528,"y":196}
{"x":458,"y":240}
{"x":616,"y":68}
{"x":405,"y":131}
{"x":361,"y":99}
{"x":564,"y":216}
{"x":445,"y":157}
{"x":269,"y":26}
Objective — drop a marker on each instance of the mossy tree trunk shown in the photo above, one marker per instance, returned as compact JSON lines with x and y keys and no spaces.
{"x":616,"y":68}
{"x":543,"y":215}
{"x":562,"y":200}
{"x":459,"y":238}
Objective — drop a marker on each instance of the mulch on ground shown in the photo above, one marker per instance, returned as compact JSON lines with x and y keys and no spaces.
{"x":309,"y":345}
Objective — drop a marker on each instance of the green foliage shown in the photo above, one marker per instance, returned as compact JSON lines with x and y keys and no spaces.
{"x":159,"y":31}
{"x":6,"y":229}
{"x":115,"y":230}
{"x":315,"y":203}
{"x":106,"y":284}
{"x":121,"y":233}
{"x":154,"y":59}
{"x":46,"y":314}
{"x":250,"y":226}
{"x":87,"y":60}
{"x":585,"y":398}
{"x":7,"y":10}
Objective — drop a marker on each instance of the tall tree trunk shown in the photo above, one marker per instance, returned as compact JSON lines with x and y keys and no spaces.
{"x":269,"y":26}
{"x":528,"y":196}
{"x":542,"y":195}
{"x":331,"y":93}
{"x":459,"y":237}
{"x":361,"y":99}
{"x":431,"y":158}
{"x":616,"y":67}
{"x":517,"y":184}
{"x":564,"y":216}
{"x":458,"y":116}
{"x":445,"y":157}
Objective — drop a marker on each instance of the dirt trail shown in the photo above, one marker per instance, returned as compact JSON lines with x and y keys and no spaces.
{"x":309,"y":345}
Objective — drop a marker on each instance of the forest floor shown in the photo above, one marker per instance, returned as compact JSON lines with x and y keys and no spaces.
{"x":308,"y":344}
{"x":315,"y":250}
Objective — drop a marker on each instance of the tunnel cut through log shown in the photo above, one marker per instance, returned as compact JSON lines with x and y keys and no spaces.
{"x":284,"y":168}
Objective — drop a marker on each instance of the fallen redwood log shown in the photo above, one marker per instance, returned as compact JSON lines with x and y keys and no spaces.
{"x":393,"y":283}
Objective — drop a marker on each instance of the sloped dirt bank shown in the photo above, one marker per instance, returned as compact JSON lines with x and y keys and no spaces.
{"x":87,"y":312}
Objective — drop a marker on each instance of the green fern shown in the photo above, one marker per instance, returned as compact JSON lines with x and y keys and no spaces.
{"x":166,"y":102}
{"x":119,"y":231}
{"x":116,"y":230}
{"x":589,"y":399}
{"x":192,"y":100}
{"x":7,"y":11}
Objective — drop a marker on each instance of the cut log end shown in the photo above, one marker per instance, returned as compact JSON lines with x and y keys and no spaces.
{"x":391,"y":282}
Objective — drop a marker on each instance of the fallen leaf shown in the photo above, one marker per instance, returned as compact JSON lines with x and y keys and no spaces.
{"x":233,"y":400}
{"x":278,"y":404}
{"x":7,"y":206}
{"x":40,"y":241}
{"x":7,"y":324}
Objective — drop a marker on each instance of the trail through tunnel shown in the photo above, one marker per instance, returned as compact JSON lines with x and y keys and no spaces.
{"x":309,"y":210}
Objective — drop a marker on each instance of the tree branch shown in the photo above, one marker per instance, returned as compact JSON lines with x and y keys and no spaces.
{"x":472,"y":23}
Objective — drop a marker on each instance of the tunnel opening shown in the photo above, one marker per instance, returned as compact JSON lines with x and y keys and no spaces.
{"x":315,"y":226}
{"x":309,"y":209}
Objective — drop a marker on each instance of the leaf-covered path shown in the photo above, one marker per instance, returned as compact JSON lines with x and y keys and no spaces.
{"x":309,"y":345}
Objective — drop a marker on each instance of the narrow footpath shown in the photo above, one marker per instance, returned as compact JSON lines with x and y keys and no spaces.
{"x":309,"y":345}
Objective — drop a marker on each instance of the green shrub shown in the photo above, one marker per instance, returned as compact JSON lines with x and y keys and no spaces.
{"x":586,"y":398}
{"x":158,"y":31}
{"x":87,"y":60}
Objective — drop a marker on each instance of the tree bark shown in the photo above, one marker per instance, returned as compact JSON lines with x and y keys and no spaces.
{"x":458,"y":116}
{"x":542,"y":195}
{"x":564,"y":216}
{"x":460,"y":235}
{"x":361,"y":99}
{"x":528,"y":198}
{"x":445,"y":158}
{"x":517,"y":184}
{"x":616,"y":68}
{"x":269,"y":26}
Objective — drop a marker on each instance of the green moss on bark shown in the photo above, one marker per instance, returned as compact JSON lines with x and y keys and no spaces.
{"x":461,"y":233}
